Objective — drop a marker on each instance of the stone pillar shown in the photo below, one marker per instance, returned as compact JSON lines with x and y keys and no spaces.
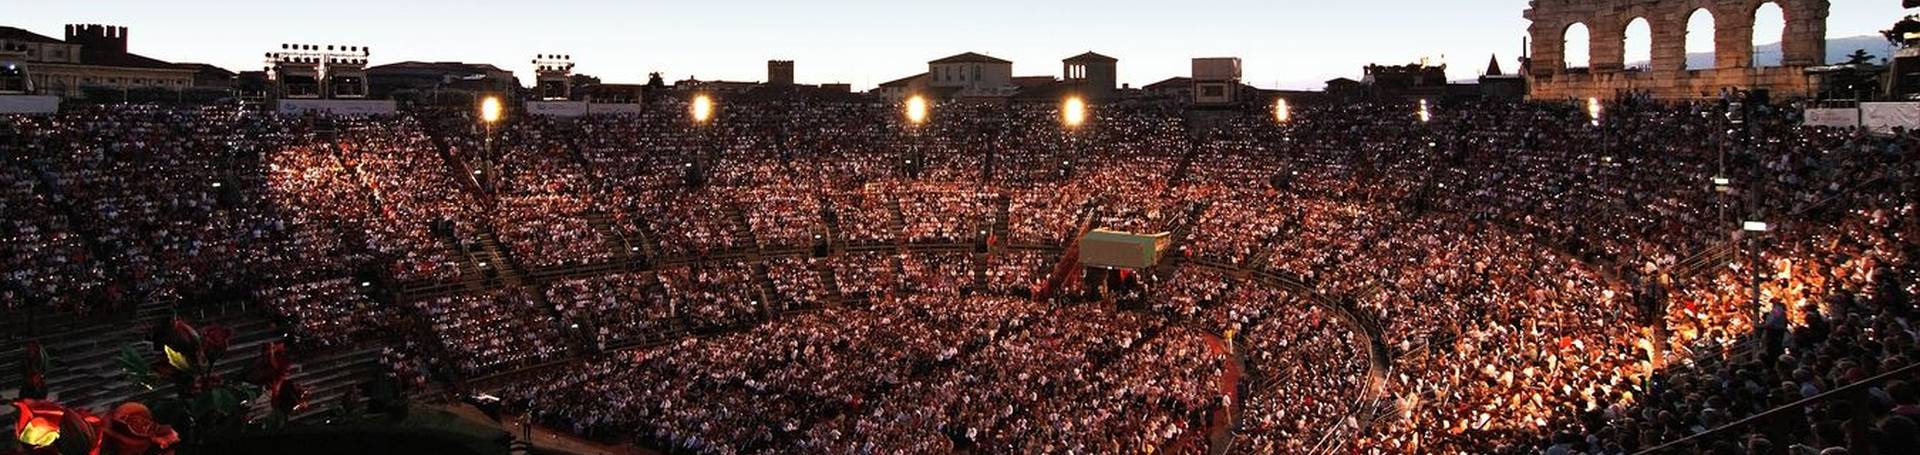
{"x":1609,"y":51}
{"x":1549,"y":39}
{"x":1669,"y":29}
{"x":1733,"y":34}
{"x":1805,"y":43}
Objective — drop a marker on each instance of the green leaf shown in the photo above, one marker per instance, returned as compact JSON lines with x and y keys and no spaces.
{"x":202,"y":406}
{"x":225,"y":401}
{"x":247,"y":392}
{"x":133,"y":362}
{"x":136,"y":366}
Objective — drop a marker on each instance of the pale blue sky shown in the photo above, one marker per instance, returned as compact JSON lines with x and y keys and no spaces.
{"x":1290,"y":43}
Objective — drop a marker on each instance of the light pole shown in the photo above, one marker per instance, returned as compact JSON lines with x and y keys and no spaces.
{"x":916,"y":112}
{"x":1073,"y":114}
{"x":702,"y":110}
{"x":490,"y":112}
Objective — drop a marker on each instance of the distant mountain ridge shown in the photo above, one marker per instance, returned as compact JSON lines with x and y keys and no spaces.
{"x":1769,"y":54}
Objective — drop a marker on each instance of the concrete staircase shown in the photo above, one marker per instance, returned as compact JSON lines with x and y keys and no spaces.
{"x":742,"y":230}
{"x":623,"y":249}
{"x":1002,"y":221}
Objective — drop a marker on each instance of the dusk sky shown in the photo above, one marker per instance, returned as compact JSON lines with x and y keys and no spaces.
{"x":1284,"y":43}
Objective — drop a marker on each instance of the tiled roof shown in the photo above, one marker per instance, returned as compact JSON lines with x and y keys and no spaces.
{"x":18,"y":34}
{"x":1091,"y":57}
{"x":970,"y":58}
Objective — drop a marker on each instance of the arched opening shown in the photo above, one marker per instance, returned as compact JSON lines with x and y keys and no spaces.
{"x":1700,"y":43}
{"x":1769,"y":35}
{"x":1639,"y":45}
{"x":1576,"y":45}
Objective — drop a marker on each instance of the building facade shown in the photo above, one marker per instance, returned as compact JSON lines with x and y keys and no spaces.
{"x":91,"y":57}
{"x":1549,"y":76}
{"x":974,"y":75}
{"x":780,"y":72}
{"x":1092,"y":75}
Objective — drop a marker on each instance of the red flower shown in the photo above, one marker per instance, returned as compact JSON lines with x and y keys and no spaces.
{"x":164,"y":370}
{"x":47,"y":427}
{"x":38,"y":424}
{"x":288,"y":396}
{"x":33,"y":381}
{"x":214,"y":339}
{"x":180,"y":336}
{"x":36,"y":356}
{"x":272,"y":366}
{"x":132,"y":431}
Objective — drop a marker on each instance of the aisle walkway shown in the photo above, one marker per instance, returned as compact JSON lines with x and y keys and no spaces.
{"x":1220,"y":431}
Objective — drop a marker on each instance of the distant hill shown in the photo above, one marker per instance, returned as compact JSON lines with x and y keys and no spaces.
{"x":1769,"y":54}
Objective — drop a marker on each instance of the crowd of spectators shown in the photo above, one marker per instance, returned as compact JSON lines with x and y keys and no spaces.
{"x":1528,"y":271}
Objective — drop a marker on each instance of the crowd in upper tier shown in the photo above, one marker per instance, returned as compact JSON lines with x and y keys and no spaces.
{"x":1501,"y":278}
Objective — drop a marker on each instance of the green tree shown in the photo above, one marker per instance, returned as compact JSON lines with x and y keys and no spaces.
{"x":1860,"y":57}
{"x":1898,"y":34}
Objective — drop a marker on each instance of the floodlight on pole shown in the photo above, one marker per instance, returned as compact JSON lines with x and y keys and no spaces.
{"x":702,"y":108}
{"x":1073,"y":112}
{"x":1593,"y":110}
{"x":490,"y":109}
{"x":917,"y":109}
{"x":1755,"y":226}
{"x":1281,"y":111}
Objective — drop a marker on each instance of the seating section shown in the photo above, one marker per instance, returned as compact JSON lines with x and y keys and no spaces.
{"x":1501,"y":278}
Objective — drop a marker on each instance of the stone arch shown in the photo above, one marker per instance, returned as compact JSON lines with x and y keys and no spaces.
{"x":1730,"y":39}
{"x":1769,"y":26}
{"x":1576,"y":44}
{"x":1636,"y":44}
{"x":1701,"y":32}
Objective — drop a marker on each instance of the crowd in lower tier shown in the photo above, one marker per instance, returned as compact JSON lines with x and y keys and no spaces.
{"x":1538,"y":280}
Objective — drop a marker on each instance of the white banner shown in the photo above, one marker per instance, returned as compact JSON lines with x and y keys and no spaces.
{"x":557,"y":108}
{"x":613,"y":108}
{"x":1833,"y":117}
{"x":1884,"y":117}
{"x":338,"y":107}
{"x":29,"y":104}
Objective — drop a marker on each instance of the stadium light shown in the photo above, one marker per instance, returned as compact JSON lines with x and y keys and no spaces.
{"x":490,"y":110}
{"x":1282,"y":112}
{"x":1755,"y":226}
{"x":917,"y":109}
{"x":1722,"y":181}
{"x":1073,"y":112}
{"x":1425,"y":115}
{"x":1593,"y":110}
{"x":702,"y":108}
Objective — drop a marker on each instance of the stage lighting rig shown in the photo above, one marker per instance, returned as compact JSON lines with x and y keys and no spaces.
{"x":554,"y":75}
{"x":314,"y":71}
